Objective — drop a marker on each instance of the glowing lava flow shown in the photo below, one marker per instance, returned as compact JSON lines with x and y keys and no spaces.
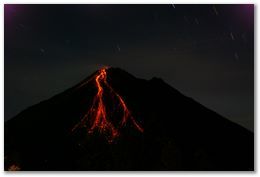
{"x":98,"y":117}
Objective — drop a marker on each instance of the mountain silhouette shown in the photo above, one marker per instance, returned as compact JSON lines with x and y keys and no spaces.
{"x":115,"y":121}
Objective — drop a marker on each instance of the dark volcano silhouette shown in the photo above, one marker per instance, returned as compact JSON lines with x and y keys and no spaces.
{"x":164,"y":130}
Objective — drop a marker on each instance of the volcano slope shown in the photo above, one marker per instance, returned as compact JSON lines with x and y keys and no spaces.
{"x":114,"y":121}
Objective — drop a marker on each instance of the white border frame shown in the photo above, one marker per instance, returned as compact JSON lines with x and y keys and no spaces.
{"x":136,"y":174}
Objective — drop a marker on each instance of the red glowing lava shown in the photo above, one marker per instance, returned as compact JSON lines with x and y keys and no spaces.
{"x":99,"y":116}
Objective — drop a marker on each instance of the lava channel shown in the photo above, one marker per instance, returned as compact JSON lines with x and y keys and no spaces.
{"x":98,"y":117}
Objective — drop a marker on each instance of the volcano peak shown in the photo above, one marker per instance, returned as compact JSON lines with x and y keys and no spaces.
{"x":99,"y":115}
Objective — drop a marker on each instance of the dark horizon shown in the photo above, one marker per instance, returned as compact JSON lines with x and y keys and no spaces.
{"x":204,"y":51}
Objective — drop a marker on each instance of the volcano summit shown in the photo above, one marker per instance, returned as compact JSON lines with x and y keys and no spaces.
{"x":115,"y":121}
{"x":99,"y":114}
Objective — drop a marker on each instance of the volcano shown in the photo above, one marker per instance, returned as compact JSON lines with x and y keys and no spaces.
{"x":115,"y":121}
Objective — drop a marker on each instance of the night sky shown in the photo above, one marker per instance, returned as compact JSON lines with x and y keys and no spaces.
{"x":204,"y":51}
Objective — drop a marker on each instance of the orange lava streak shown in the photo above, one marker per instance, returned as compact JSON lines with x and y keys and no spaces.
{"x":98,"y":118}
{"x":126,"y":112}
